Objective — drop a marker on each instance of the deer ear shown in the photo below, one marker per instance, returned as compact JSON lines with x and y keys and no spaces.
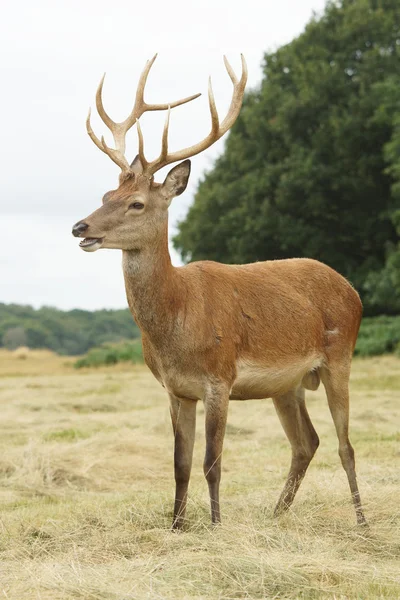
{"x":136,"y":165}
{"x":176,"y":181}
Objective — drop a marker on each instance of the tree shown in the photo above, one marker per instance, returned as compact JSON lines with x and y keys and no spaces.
{"x":14,"y":338}
{"x":71,"y":332}
{"x":383,"y":286}
{"x":304,"y":171}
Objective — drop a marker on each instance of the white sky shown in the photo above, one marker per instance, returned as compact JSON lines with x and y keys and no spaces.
{"x":53,"y":53}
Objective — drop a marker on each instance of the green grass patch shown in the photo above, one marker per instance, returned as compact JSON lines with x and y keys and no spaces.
{"x":378,"y":335}
{"x":111,"y":354}
{"x":65,"y":435}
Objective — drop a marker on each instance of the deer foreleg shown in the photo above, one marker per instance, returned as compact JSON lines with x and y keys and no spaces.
{"x":216,"y":411}
{"x":183,"y":415}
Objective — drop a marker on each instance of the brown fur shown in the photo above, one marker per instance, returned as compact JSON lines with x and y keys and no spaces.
{"x":215,"y":332}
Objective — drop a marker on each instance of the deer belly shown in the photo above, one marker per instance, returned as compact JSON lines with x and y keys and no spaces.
{"x":184,"y":385}
{"x":257,"y":381}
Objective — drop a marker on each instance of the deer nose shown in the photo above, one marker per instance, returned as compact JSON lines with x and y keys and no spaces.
{"x":79,"y":228}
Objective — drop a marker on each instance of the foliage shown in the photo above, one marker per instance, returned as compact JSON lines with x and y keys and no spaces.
{"x":378,"y":335}
{"x":111,"y":354}
{"x":14,"y":337}
{"x":66,"y":332}
{"x":383,"y":287}
{"x":312,"y":166}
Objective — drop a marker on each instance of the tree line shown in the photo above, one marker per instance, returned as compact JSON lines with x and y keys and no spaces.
{"x":312,"y":166}
{"x":65,"y":332}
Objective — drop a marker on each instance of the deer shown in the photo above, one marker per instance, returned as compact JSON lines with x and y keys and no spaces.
{"x":215,"y":332}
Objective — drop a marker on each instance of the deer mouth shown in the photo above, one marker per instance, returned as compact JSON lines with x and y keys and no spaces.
{"x":91,"y":244}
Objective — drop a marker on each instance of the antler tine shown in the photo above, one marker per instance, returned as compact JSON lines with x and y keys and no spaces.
{"x":164,"y":141}
{"x":141,"y":145}
{"x":100,"y":108}
{"x":142,"y":106}
{"x":158,"y":163}
{"x":119,"y":130}
{"x":115,"y":156}
{"x":167,"y":105}
{"x":217,"y":129}
{"x":238,"y":93}
{"x":213,"y":110}
{"x":91,"y":133}
{"x":231,"y":72}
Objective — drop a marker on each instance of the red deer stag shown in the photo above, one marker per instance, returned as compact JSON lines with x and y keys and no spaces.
{"x":216,"y":332}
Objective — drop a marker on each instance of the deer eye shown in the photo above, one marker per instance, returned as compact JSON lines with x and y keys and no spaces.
{"x":137,"y":205}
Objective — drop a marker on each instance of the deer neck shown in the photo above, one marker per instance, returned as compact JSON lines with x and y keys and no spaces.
{"x":151,"y":285}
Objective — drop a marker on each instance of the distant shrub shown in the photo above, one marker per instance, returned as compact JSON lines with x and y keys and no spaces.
{"x":65,"y":435}
{"x":378,"y":335}
{"x":111,"y":354}
{"x":14,"y":338}
{"x":22,"y":352}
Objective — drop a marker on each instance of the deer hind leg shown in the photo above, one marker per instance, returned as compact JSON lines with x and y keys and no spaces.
{"x":303,"y":438}
{"x":336,"y":382}
{"x":183,"y":416}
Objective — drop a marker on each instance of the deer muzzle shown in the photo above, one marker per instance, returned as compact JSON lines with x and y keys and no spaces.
{"x":88,"y":244}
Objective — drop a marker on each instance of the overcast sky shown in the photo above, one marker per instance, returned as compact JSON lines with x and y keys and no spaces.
{"x":53,"y":54}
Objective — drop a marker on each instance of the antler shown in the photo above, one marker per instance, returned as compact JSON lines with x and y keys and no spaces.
{"x":119,"y":130}
{"x":217,"y":129}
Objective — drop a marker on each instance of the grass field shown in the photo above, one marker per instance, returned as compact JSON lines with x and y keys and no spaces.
{"x":86,"y":490}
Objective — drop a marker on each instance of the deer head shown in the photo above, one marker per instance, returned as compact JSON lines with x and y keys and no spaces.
{"x":132,"y":215}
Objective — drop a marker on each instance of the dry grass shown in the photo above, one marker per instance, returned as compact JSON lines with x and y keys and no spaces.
{"x":87,"y":484}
